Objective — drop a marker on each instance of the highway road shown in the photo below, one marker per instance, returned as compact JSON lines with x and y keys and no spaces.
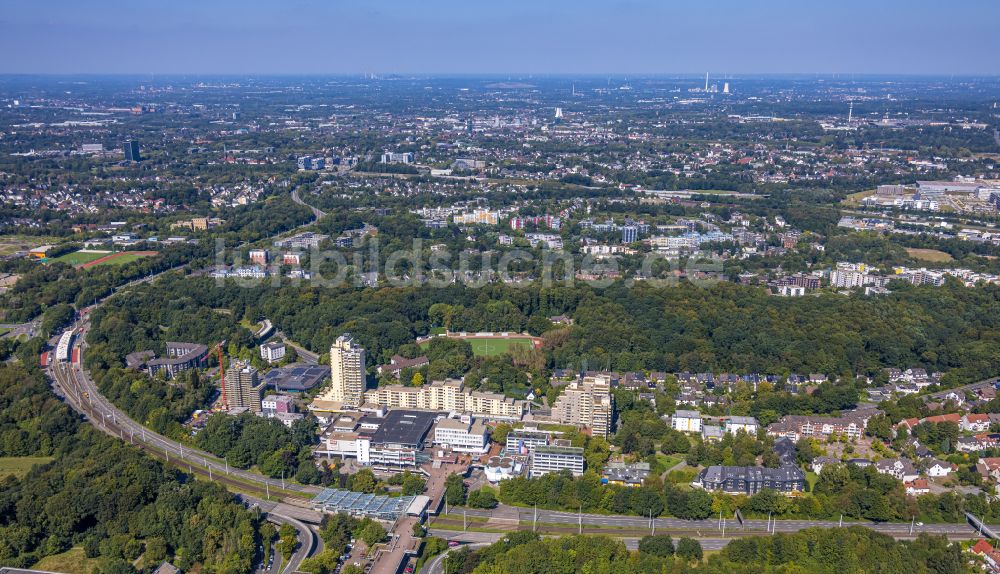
{"x":75,"y":386}
{"x":317,"y":212}
{"x":306,"y":356}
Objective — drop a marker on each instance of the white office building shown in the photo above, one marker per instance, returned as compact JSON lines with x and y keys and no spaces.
{"x":463,"y":435}
{"x":546,"y":459}
{"x":272,"y":352}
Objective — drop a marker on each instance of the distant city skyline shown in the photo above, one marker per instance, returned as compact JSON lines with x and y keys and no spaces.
{"x":513,"y":37}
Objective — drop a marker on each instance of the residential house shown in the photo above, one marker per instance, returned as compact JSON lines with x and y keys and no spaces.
{"x":734,"y":424}
{"x":820,"y":462}
{"x":917,"y":487}
{"x":900,"y":469}
{"x":972,"y":422}
{"x":938,"y":468}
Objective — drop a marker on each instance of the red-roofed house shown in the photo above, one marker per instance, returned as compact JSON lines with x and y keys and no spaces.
{"x":989,"y":467}
{"x":952,"y":418}
{"x":989,"y":554}
{"x":917,"y":487}
{"x":908,"y":424}
{"x":976,"y":422}
{"x":982,"y":547}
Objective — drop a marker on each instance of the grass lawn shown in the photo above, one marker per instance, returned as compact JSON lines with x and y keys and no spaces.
{"x":4,"y":331}
{"x":438,"y":330}
{"x":20,"y":465}
{"x":811,"y":478}
{"x":668,"y":461}
{"x":80,"y":257}
{"x":932,"y":255}
{"x":73,"y":561}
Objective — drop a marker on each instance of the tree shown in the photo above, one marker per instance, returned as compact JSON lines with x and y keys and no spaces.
{"x":880,"y":427}
{"x":455,"y":489}
{"x":412,"y":484}
{"x":363,"y":481}
{"x":323,"y":563}
{"x":287,"y":539}
{"x":370,"y":531}
{"x":483,"y":498}
{"x":661,"y":545}
{"x":689,"y":549}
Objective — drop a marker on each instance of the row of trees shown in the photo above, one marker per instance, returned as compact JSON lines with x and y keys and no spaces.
{"x":813,"y":550}
{"x":847,"y":490}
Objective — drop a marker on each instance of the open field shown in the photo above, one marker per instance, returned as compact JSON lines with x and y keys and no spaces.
{"x":491,"y":346}
{"x":11,"y":244}
{"x":486,"y":345}
{"x":20,"y":465}
{"x":73,"y":561}
{"x":854,"y":199}
{"x":931,"y":255}
{"x":81,"y":257}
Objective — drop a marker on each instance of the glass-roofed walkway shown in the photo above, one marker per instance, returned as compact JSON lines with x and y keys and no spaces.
{"x":377,"y":506}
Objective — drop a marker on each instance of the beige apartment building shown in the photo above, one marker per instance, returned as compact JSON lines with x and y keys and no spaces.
{"x":588,"y":403}
{"x":448,"y":395}
{"x":347,"y":372}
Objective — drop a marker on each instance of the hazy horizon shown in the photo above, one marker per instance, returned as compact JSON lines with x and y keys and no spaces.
{"x":446,"y":37}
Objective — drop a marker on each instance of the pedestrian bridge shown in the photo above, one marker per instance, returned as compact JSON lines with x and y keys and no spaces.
{"x":981,"y":526}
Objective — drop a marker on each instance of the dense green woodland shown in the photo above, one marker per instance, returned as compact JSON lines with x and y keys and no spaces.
{"x":724,"y":327}
{"x":120,"y":505}
{"x":812,"y":551}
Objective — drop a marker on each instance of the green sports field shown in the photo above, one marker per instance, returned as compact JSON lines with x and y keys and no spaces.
{"x":122,"y":259}
{"x":81,"y":257}
{"x":488,"y":347}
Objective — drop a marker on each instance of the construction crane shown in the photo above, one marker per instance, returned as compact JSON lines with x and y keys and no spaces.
{"x":222,"y":375}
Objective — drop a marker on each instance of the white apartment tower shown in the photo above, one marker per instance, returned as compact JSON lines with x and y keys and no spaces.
{"x":347,"y":371}
{"x":587,"y":402}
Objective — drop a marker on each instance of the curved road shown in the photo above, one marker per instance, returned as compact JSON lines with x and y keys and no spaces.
{"x":317,"y":212}
{"x":436,"y":565}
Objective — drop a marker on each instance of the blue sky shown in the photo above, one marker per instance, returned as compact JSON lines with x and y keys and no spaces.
{"x":500,"y":36}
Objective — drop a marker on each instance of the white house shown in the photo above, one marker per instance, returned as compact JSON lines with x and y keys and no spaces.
{"x":686,"y":421}
{"x":900,"y":469}
{"x":736,"y":424}
{"x":938,"y":468}
{"x":975,"y":422}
